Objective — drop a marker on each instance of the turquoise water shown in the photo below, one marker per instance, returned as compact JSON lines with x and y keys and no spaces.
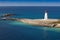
{"x":13,"y":30}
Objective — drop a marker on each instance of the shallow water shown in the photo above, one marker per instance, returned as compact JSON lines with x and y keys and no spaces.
{"x":13,"y":30}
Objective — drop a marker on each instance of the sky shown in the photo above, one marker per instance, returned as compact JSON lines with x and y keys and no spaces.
{"x":29,"y":2}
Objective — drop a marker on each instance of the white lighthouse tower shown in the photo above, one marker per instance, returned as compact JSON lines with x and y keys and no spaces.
{"x":46,"y":15}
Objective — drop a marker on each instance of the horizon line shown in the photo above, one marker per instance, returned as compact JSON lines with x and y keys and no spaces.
{"x":29,"y":4}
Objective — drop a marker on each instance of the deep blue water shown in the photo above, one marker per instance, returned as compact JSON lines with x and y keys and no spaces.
{"x":12,"y":30}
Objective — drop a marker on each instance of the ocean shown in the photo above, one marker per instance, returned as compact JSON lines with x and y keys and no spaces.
{"x":13,"y":30}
